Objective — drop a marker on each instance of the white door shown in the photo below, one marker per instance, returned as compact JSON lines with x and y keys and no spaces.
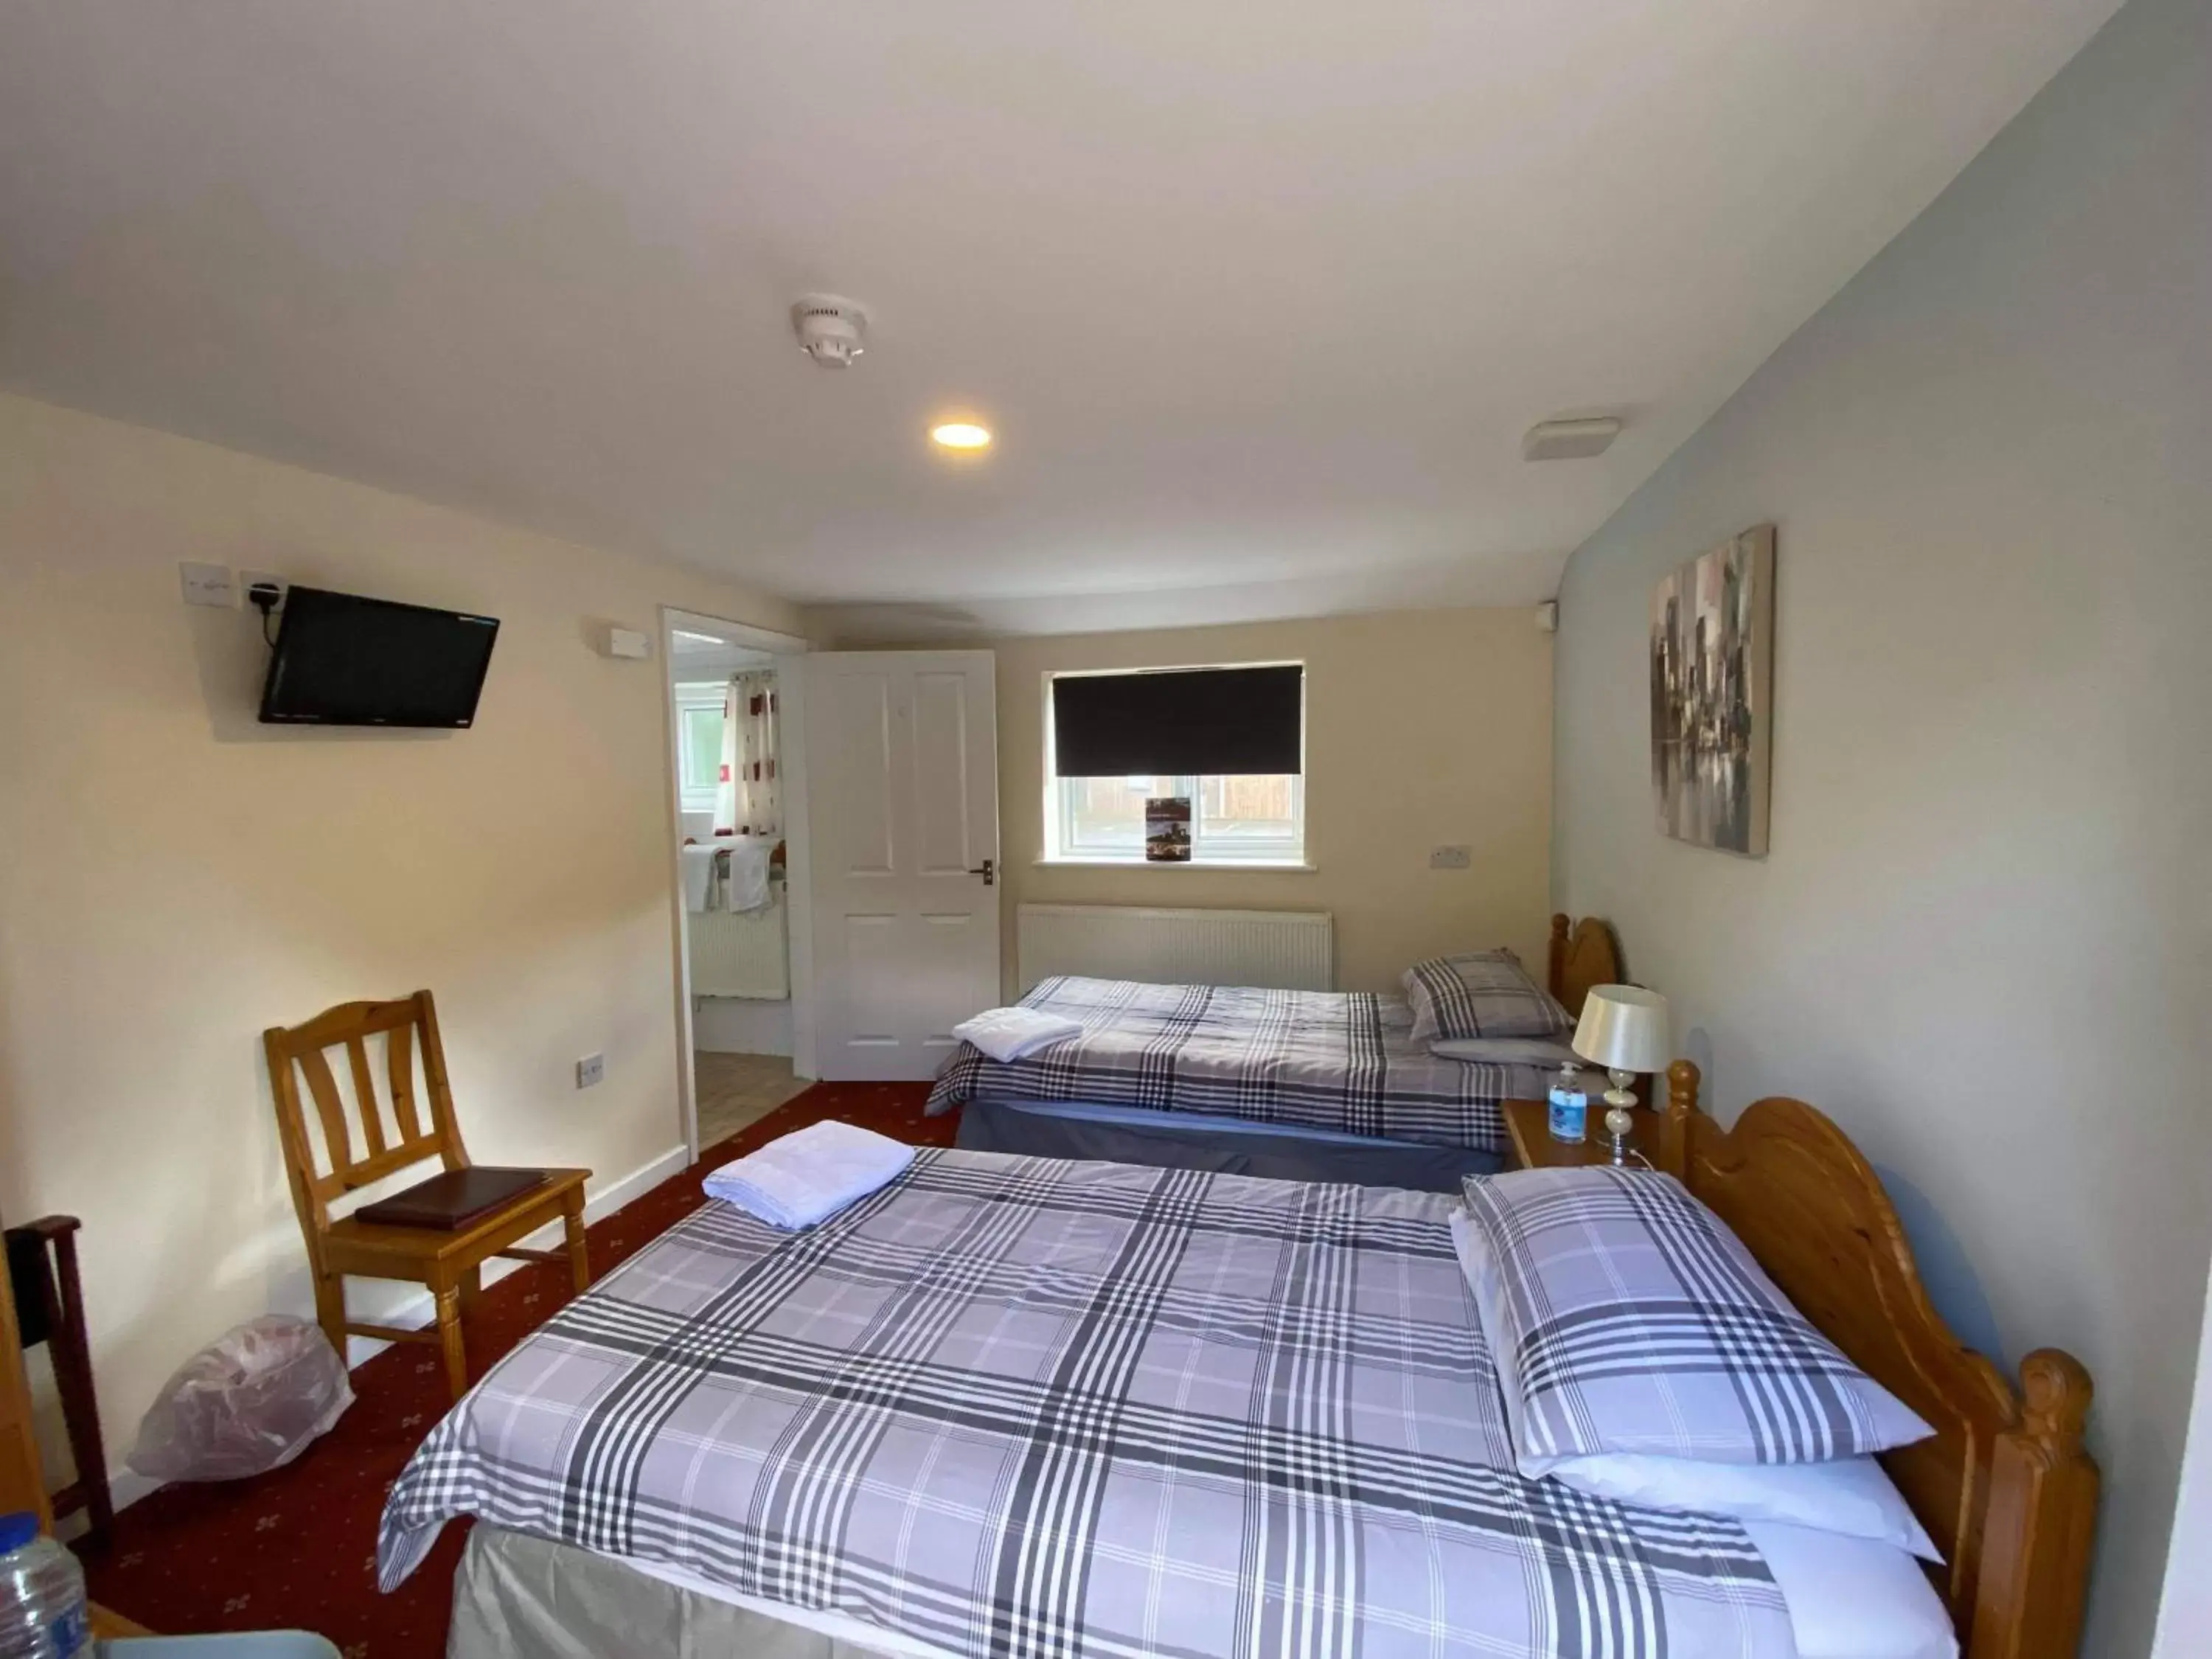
{"x":903,"y":792}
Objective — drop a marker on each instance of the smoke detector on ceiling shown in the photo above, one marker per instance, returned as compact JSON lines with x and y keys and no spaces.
{"x":831,"y":331}
{"x":1570,"y":441}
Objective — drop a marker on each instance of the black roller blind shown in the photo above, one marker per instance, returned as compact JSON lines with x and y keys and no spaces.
{"x":1181,"y":722}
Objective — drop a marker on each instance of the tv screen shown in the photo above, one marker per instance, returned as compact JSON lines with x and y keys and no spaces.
{"x":345,"y":660}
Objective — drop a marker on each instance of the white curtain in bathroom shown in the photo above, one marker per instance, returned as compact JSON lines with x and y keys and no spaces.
{"x":748,"y":798}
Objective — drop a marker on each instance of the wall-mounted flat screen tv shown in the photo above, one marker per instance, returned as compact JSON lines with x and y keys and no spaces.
{"x":344,"y":660}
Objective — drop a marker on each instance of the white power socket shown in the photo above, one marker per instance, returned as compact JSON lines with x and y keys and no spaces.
{"x":208,"y":584}
{"x":1450,"y":858}
{"x":589,"y":1070}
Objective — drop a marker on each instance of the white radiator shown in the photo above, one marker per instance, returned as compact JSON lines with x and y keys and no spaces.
{"x":741,"y":953}
{"x":1286,"y":950}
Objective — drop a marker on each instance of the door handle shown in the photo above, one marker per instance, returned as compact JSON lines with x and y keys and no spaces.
{"x":988,"y":869}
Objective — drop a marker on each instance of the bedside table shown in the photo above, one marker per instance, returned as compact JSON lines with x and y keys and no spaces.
{"x":1529,"y":1123}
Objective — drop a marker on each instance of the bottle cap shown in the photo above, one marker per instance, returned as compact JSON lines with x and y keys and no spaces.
{"x":17,"y":1530}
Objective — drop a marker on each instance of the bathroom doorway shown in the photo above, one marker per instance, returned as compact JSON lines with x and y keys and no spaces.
{"x":739,"y":813}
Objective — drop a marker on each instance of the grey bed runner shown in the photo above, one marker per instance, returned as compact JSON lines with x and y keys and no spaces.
{"x":1344,"y":1060}
{"x":1027,"y":1407}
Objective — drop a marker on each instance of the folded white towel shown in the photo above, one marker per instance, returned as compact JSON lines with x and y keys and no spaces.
{"x":749,"y":857}
{"x":698,"y":875}
{"x":810,"y":1174}
{"x":1010,"y":1033}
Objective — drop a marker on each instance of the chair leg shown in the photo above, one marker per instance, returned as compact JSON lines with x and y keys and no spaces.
{"x":330,"y":1309}
{"x":72,"y":1362}
{"x":449,"y":1338}
{"x":471,"y":1287}
{"x":579,"y":1266}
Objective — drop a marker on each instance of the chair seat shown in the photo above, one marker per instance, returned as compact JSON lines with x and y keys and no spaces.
{"x":356,"y":1240}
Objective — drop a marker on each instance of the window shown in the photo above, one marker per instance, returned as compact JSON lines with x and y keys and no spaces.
{"x":699,"y":742}
{"x":1230,"y":718}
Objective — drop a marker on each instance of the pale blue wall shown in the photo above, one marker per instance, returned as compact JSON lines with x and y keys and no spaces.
{"x":1983,"y":938}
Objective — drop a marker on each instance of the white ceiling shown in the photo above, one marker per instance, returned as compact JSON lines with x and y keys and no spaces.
{"x":1260,"y":295}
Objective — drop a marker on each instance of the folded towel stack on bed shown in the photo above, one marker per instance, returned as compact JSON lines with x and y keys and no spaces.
{"x":810,"y":1174}
{"x":1009,"y":1033}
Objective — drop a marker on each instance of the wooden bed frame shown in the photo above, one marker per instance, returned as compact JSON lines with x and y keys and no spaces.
{"x":1583,"y":955}
{"x":2004,"y":1488}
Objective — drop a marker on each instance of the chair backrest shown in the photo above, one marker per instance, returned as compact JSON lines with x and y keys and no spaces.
{"x":358,"y":1145}
{"x":22,"y":1485}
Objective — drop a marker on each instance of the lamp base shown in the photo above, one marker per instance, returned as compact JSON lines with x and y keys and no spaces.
{"x":1620,"y":1119}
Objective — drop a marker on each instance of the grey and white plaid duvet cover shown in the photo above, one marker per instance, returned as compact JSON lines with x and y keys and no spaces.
{"x":1342,"y":1061}
{"x":1638,"y":1323}
{"x":1017,"y":1407}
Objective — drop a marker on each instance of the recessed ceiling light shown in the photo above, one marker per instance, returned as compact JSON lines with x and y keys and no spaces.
{"x":961,"y":434}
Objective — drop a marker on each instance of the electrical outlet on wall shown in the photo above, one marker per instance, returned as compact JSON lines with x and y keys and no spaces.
{"x":1450,"y":858}
{"x":208,"y":584}
{"x":589,"y":1070}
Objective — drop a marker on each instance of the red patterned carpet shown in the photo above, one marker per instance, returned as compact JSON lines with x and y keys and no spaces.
{"x":296,"y":1549}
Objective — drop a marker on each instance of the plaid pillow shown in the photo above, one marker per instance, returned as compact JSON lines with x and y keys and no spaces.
{"x":1484,"y":994}
{"x":1637,"y":1321}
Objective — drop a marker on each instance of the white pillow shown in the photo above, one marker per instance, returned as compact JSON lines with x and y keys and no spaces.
{"x":1850,"y":1599}
{"x":1849,"y":1497}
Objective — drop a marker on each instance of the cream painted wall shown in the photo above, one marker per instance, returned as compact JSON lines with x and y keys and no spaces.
{"x":1983,"y":936}
{"x":177,"y":877}
{"x":1422,"y":728}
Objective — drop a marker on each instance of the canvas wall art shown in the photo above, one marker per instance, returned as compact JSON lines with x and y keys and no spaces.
{"x":1712,"y":694}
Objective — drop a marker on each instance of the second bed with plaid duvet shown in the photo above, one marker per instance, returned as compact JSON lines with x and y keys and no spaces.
{"x":1027,"y":1407}
{"x":1339,"y":1061}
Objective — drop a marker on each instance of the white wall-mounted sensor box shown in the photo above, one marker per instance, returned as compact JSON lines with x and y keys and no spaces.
{"x":628,"y":643}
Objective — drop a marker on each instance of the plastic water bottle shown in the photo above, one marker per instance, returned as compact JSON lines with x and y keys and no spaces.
{"x":42,"y":1610}
{"x":1570,"y":1114}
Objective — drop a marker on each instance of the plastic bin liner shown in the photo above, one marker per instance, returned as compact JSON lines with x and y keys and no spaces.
{"x":249,"y":1401}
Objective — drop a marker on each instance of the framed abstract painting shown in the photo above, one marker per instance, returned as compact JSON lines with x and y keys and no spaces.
{"x":1712,"y":694}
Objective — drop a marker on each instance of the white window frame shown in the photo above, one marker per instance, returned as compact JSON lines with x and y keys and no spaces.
{"x":1064,"y":845}
{"x":691,"y":696}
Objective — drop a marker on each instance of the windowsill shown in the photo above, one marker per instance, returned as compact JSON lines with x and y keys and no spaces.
{"x":1279,"y":866}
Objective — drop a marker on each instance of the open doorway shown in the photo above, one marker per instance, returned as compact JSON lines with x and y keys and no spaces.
{"x":739,"y":818}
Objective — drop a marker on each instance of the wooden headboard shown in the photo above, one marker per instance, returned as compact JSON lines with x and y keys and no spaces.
{"x":1585,"y":955}
{"x":2004,"y":1487}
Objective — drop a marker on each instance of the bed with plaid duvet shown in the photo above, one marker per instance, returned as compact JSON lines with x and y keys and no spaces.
{"x":1341,"y":1060}
{"x":1016,"y":1406}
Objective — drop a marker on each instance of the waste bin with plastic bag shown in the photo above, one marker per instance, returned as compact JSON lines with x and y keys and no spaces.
{"x":247,"y":1402}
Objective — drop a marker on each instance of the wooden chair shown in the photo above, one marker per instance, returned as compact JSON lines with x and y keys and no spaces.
{"x":449,"y":1262}
{"x":50,"y":1309}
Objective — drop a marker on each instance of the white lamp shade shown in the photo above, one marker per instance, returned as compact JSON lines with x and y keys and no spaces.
{"x":1624,"y":1028}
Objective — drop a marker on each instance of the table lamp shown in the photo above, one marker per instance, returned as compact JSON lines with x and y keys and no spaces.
{"x":1623,"y":1028}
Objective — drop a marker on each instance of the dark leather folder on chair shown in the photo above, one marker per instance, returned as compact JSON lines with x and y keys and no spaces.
{"x":451,"y":1202}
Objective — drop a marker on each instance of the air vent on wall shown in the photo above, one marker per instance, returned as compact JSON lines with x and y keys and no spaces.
{"x":1570,"y":441}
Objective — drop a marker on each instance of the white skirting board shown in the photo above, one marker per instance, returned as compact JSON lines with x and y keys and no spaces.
{"x":408,"y":1306}
{"x":1282,"y":950}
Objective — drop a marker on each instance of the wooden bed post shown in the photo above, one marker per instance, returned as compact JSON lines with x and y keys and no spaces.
{"x":2041,"y":1519}
{"x":1674,"y":1119}
{"x":1556,"y":969}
